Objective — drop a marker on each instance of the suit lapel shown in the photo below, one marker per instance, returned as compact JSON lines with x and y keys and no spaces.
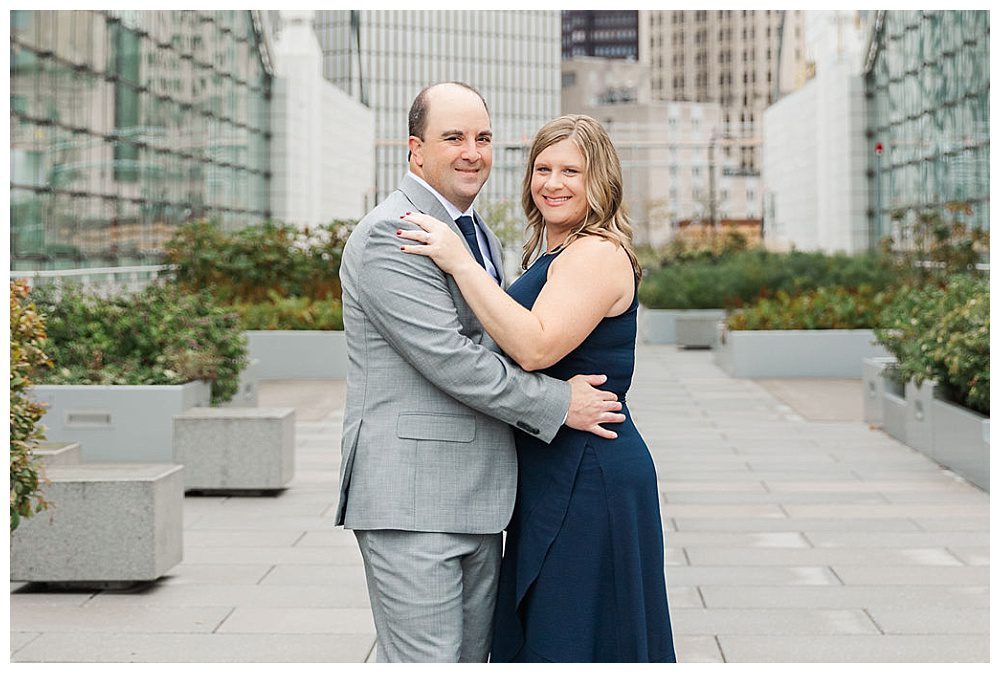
{"x":427,"y":203}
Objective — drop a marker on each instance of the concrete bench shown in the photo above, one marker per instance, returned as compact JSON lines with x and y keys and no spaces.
{"x":697,"y":329}
{"x":235,"y":448}
{"x":108,"y":523}
{"x":51,"y":454}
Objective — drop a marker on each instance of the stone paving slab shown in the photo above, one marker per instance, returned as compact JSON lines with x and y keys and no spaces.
{"x":917,"y":598}
{"x":787,"y":539}
{"x":114,"y":619}
{"x":765,"y":622}
{"x":350,"y":593}
{"x":210,"y":648}
{"x":932,"y":622}
{"x":856,"y":648}
{"x":299,"y":620}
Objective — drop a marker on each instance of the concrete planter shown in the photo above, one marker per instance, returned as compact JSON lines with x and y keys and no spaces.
{"x":119,"y":424}
{"x":235,"y":449}
{"x":108,"y":523}
{"x":51,"y":454}
{"x":918,"y":419}
{"x":894,"y":409}
{"x":961,"y":441}
{"x":659,"y":325}
{"x":298,"y":354}
{"x":697,"y":329}
{"x":795,"y":353}
{"x":873,"y":386}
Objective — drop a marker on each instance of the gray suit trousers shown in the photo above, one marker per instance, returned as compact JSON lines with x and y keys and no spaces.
{"x":432,"y":594}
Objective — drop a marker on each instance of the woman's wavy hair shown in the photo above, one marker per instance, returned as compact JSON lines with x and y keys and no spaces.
{"x":606,"y":212}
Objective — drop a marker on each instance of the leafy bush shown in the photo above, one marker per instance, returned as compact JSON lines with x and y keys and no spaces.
{"x":291,"y":313}
{"x":159,"y":336}
{"x":271,"y":274}
{"x":740,"y":278}
{"x":27,"y":336}
{"x":942,"y":333}
{"x":822,"y":308}
{"x":249,"y":264}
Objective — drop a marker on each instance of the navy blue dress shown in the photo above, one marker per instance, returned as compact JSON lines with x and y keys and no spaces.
{"x":582,"y":572}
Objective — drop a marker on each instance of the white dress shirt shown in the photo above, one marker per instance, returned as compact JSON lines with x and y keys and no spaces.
{"x":454,"y":213}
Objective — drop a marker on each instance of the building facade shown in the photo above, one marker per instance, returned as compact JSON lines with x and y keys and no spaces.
{"x":674,"y":166}
{"x":927,"y":81}
{"x":814,"y":149}
{"x":125,"y":124}
{"x":742,"y":60}
{"x":605,"y":34}
{"x":384,"y":58}
{"x":323,"y":141}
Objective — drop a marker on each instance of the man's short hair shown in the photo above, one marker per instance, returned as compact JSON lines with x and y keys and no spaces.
{"x":417,"y":120}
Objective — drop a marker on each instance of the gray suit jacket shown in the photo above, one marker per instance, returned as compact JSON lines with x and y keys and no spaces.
{"x":426,"y":442}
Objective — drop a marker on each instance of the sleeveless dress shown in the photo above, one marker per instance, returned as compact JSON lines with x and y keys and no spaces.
{"x":582,"y":572}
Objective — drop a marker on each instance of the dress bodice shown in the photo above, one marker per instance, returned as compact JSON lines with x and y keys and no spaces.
{"x":609,"y":349}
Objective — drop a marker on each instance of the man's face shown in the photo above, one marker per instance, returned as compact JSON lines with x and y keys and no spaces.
{"x":456,"y":152}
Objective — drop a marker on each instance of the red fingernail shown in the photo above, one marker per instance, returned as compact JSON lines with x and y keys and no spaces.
{"x":407,"y":212}
{"x":399,"y":231}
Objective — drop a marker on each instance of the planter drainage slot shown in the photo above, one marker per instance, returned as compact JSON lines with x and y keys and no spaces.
{"x":88,"y":419}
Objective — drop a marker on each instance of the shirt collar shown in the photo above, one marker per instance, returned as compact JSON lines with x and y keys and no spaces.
{"x":453,"y":211}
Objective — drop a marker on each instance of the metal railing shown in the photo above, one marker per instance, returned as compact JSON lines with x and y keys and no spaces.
{"x":103,"y":280}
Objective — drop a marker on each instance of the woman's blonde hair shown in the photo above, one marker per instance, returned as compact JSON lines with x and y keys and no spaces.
{"x":606,"y":213}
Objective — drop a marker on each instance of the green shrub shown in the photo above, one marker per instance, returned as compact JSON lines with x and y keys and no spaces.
{"x":159,"y":336}
{"x":822,"y":308}
{"x":942,"y":333}
{"x":27,"y":337}
{"x":740,"y":278}
{"x":252,"y":263}
{"x":291,"y":313}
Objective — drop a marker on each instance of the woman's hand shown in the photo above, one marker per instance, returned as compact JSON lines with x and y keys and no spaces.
{"x":436,"y":240}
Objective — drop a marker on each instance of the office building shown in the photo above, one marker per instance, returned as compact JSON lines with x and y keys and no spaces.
{"x":927,"y":83}
{"x":674,"y":165}
{"x":605,"y":34}
{"x":384,"y":58}
{"x":743,"y":60}
{"x":125,"y":124}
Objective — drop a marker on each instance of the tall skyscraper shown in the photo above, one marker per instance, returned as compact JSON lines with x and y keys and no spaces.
{"x":607,"y":34}
{"x":124,"y":124}
{"x":384,"y":58}
{"x":744,"y":60}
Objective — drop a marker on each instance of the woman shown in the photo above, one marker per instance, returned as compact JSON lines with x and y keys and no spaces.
{"x":582,"y":573}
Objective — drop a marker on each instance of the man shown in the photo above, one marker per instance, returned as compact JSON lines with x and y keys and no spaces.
{"x":429,"y":470}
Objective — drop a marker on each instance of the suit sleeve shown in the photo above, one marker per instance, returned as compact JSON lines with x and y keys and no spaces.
{"x":409,"y":301}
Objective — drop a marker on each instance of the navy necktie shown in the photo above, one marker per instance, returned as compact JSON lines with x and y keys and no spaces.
{"x":468,"y":228}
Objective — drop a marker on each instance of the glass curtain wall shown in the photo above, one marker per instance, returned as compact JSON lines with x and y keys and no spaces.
{"x":928,"y":85}
{"x":125,"y":124}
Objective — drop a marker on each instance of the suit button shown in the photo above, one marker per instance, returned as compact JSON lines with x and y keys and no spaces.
{"x":527,"y":428}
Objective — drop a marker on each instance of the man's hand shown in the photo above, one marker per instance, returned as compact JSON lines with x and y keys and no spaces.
{"x":589,"y":406}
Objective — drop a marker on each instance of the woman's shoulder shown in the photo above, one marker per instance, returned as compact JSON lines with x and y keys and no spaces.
{"x":593,"y":248}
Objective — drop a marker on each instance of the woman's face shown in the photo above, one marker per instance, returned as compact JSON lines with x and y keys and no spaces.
{"x":558,"y":184}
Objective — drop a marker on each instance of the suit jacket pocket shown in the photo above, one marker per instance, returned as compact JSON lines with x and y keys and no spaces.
{"x":443,"y":427}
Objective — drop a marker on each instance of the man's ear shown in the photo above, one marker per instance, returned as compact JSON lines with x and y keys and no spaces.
{"x":416,"y":146}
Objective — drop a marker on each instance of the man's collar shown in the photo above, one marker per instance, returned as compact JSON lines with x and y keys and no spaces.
{"x":453,"y":211}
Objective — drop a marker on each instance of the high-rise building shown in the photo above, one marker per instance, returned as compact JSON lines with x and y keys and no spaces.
{"x":814,"y":147}
{"x":384,"y":58}
{"x":927,"y":81}
{"x":323,"y":141}
{"x":744,"y":60}
{"x":674,"y":169}
{"x":606,"y":34}
{"x":125,"y":124}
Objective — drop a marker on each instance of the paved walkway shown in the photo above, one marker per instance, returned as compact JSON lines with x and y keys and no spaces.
{"x":793,"y":531}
